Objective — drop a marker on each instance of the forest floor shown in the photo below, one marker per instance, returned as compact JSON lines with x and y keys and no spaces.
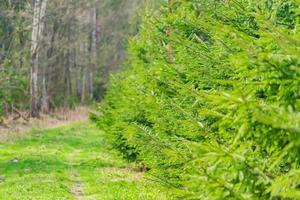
{"x":69,"y":162}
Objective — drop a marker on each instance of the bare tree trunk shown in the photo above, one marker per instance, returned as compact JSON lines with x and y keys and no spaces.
{"x":37,"y":30}
{"x":83,"y":85}
{"x":45,"y":106}
{"x":69,"y":67}
{"x":93,"y":50}
{"x":45,"y":98}
{"x":22,"y":40}
{"x":78,"y":79}
{"x":34,"y":60}
{"x":67,"y":79}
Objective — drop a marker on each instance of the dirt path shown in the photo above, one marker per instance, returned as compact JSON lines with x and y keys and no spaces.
{"x":77,"y":188}
{"x":72,"y":162}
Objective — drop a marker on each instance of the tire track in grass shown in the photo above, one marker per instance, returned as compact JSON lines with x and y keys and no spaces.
{"x":77,"y":188}
{"x":69,"y":162}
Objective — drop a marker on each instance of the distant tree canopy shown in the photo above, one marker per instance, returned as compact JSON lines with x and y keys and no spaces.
{"x":76,"y":51}
{"x":210,"y":99}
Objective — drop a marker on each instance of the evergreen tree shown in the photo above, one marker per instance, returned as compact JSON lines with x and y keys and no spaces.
{"x":209,"y":101}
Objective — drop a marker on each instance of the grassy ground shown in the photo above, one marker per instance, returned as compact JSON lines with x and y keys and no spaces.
{"x":70,"y":162}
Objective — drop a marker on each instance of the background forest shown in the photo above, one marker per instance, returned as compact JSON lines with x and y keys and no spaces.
{"x":72,"y":45}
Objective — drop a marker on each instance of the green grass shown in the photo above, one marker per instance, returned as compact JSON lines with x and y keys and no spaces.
{"x":71,"y":162}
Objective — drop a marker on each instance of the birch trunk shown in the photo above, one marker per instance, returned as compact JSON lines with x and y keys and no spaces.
{"x":37,"y":29}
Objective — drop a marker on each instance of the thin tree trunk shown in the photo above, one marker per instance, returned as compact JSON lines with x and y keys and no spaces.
{"x":22,"y":40}
{"x":34,"y":60}
{"x":39,"y":13}
{"x":93,"y":50}
{"x":47,"y":71}
{"x":78,"y":78}
{"x":67,"y":79}
{"x":45,"y":102}
{"x":69,"y":67}
{"x":83,"y":85}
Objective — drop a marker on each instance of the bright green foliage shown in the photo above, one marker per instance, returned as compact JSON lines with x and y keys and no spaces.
{"x":221,"y":121}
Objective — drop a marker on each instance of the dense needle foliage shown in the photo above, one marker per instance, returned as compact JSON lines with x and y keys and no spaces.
{"x":210,"y":102}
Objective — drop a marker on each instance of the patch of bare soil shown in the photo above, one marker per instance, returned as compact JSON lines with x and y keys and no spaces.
{"x":77,"y":189}
{"x":11,"y":128}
